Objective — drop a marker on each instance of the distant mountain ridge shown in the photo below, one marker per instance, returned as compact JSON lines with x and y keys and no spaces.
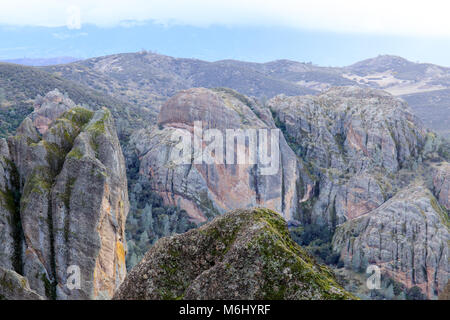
{"x":149,"y":79}
{"x":20,"y":85}
{"x":39,"y":62}
{"x":361,"y":180}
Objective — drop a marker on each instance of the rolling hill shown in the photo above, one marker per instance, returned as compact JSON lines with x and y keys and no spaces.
{"x":20,"y":85}
{"x":148,"y":79}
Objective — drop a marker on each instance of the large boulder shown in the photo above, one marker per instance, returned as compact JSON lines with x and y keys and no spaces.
{"x":244,"y":254}
{"x":206,"y":190}
{"x":15,"y":287}
{"x":355,"y":141}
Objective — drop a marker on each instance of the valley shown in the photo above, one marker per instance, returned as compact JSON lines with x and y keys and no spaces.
{"x":363,"y":179}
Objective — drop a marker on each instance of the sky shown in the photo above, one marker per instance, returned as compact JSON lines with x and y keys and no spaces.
{"x":325,"y":32}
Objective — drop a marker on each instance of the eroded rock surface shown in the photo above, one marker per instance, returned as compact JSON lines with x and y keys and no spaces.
{"x":244,"y":254}
{"x":205,"y":190}
{"x":407,"y":237}
{"x":353,"y":139}
{"x":65,"y":197}
{"x":344,"y":155}
{"x":15,"y":287}
{"x":377,"y":179}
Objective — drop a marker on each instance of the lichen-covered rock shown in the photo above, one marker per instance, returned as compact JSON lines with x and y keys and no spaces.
{"x":67,"y":203}
{"x":205,"y":190}
{"x":90,"y":206}
{"x":15,"y":287}
{"x":407,"y":237}
{"x":354,"y":140}
{"x":441,"y":182}
{"x":351,"y":128}
{"x":368,"y":153}
{"x":344,"y":153}
{"x":8,"y":212}
{"x":244,"y":254}
{"x":49,"y":108}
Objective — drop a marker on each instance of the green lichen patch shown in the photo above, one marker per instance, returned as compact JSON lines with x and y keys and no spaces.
{"x":97,"y":127}
{"x":39,"y":182}
{"x":441,"y":211}
{"x":244,"y":254}
{"x":78,"y":116}
{"x":75,"y":153}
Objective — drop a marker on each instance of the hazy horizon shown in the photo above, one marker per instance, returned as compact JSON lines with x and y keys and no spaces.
{"x":325,"y":33}
{"x":75,"y":59}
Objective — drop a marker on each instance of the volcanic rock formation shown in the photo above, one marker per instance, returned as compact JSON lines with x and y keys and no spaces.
{"x":244,"y":254}
{"x":64,"y":201}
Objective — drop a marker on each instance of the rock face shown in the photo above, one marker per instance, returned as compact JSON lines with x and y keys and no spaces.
{"x":205,"y":190}
{"x":15,"y":287}
{"x":372,"y":161}
{"x":441,"y":183}
{"x":344,"y":156}
{"x":65,"y":195}
{"x":353,"y":139}
{"x":8,"y":211}
{"x":49,"y":108}
{"x":407,"y":237}
{"x":244,"y":254}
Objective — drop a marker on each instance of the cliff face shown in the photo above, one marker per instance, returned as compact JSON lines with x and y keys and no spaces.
{"x":441,"y":183}
{"x":356,"y":141}
{"x":377,"y":169}
{"x":15,"y":287}
{"x":205,"y":190}
{"x":65,"y":196}
{"x":244,"y":254}
{"x":407,"y":237}
{"x":345,"y":155}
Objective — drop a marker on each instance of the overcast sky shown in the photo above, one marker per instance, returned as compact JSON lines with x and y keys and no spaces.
{"x":399,"y":17}
{"x":376,"y":18}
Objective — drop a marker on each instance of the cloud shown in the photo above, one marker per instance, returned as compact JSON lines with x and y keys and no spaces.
{"x":65,"y":36}
{"x":399,"y":17}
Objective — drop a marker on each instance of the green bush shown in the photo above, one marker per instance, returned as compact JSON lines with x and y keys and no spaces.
{"x":317,"y":240}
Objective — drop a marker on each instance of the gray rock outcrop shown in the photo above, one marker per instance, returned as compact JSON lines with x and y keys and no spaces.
{"x":407,"y":237}
{"x":205,"y":190}
{"x":65,"y":202}
{"x":244,"y":254}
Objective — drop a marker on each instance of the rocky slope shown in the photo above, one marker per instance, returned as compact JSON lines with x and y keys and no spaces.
{"x":21,"y":87}
{"x":15,"y":287}
{"x":149,"y":79}
{"x":39,"y":62}
{"x":376,"y":168}
{"x":352,"y":140}
{"x":205,"y":190}
{"x":64,"y":201}
{"x":345,"y":155}
{"x":244,"y":254}
{"x":407,"y":237}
